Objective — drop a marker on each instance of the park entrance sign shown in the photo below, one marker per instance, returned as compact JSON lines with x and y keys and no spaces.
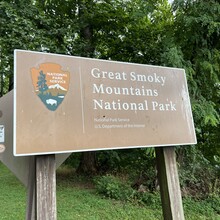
{"x":68,"y":104}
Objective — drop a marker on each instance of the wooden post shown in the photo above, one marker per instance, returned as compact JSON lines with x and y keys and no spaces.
{"x":31,"y":198}
{"x":169,"y":184}
{"x":46,"y":188}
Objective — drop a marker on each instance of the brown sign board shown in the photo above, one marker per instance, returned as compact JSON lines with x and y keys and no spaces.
{"x":70,"y":104}
{"x":18,"y":165}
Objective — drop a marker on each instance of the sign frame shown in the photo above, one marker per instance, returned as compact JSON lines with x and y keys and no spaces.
{"x":84,"y":105}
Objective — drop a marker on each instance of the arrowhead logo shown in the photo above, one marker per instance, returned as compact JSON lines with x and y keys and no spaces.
{"x":51,"y":84}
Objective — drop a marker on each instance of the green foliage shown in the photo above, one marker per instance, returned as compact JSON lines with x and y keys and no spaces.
{"x":120,"y":189}
{"x":205,"y":112}
{"x":114,"y":188}
{"x":198,"y":177}
{"x":73,"y":160}
{"x":201,"y":209}
{"x":214,"y":202}
{"x":196,"y":31}
{"x":110,"y":161}
{"x":130,"y":162}
{"x":149,"y":199}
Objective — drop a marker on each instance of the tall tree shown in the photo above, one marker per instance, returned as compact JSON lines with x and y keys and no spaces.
{"x":22,"y":27}
{"x":196,"y":34}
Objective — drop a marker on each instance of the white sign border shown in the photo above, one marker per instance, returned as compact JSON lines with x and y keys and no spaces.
{"x":95,"y":149}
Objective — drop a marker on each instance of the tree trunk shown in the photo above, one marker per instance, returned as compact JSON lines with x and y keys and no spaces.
{"x":11,"y":82}
{"x":86,"y":31}
{"x":88,"y":163}
{"x":1,"y":84}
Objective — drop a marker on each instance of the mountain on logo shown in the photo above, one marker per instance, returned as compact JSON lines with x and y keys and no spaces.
{"x":56,"y":90}
{"x":57,"y":86}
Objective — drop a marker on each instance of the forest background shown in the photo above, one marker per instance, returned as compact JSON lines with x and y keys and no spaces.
{"x":184,"y":34}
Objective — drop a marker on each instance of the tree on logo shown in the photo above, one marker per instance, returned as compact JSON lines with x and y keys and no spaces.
{"x":42,"y":82}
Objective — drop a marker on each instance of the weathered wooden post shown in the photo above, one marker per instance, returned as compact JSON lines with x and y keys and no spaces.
{"x":169,"y":183}
{"x":31,"y":190}
{"x":46,"y":187}
{"x":31,"y":198}
{"x":41,"y":196}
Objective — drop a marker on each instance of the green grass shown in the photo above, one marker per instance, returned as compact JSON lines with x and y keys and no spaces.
{"x":87,"y":205}
{"x":12,"y":196}
{"x":76,"y":199}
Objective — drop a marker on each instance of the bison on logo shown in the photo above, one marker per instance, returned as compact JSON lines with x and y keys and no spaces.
{"x":51,"y":84}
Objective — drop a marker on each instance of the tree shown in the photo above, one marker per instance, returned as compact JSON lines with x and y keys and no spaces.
{"x":22,"y":27}
{"x":196,"y":33}
{"x":42,"y":82}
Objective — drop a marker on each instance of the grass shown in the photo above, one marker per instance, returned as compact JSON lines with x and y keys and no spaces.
{"x":77,"y":199}
{"x":87,"y":205}
{"x":12,"y":196}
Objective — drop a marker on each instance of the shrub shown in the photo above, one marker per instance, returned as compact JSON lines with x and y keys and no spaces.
{"x":150,"y":199}
{"x":214,"y":202}
{"x":114,"y":188}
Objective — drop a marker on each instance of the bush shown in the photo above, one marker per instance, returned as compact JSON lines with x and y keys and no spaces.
{"x":114,"y":188}
{"x":198,"y":177}
{"x":150,"y":199}
{"x":214,"y":202}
